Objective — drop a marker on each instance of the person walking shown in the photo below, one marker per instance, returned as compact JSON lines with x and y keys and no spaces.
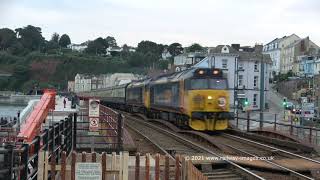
{"x":64,"y":102}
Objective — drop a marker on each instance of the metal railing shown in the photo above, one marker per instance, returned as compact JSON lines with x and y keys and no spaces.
{"x":291,"y":128}
{"x":20,"y":160}
{"x":108,"y":137}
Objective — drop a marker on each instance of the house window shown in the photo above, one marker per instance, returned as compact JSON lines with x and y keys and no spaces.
{"x":224,"y":64}
{"x":255,"y":96}
{"x":240,"y":67}
{"x":240,"y":80}
{"x":255,"y":81}
{"x":256,"y":66}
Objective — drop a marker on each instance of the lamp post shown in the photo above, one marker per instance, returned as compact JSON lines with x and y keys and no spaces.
{"x":235,"y":87}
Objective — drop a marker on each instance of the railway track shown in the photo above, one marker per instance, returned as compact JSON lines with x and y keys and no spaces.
{"x":245,"y":147}
{"x":172,"y":143}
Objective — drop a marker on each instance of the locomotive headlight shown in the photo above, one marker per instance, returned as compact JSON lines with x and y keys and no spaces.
{"x":209,"y":97}
{"x":222,"y":101}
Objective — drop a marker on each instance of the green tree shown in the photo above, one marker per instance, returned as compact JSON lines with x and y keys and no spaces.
{"x":125,"y":48}
{"x":7,"y":38}
{"x":110,"y":41}
{"x":55,"y":37}
{"x":30,"y":37}
{"x":136,"y":59}
{"x":175,"y":49}
{"x":64,"y":40}
{"x":98,"y":47}
{"x":163,"y":64}
{"x":194,"y":47}
{"x":149,"y":46}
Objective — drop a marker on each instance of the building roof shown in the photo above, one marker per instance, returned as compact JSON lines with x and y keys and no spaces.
{"x":280,"y":39}
{"x":254,"y":56}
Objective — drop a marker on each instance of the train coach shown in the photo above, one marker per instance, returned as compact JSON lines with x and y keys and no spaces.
{"x":196,"y":98}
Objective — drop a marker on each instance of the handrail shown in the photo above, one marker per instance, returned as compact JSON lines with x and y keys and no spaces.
{"x":33,"y":123}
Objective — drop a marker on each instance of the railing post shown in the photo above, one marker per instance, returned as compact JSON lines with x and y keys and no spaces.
{"x":45,"y":140}
{"x":9,"y":159}
{"x":248,"y":121}
{"x":120,"y":137}
{"x":62,"y":135}
{"x":24,"y":161}
{"x":291,"y":127}
{"x":69,"y":133}
{"x":37,"y":151}
{"x":74,"y":143}
{"x":275,"y":122}
{"x":261,"y":121}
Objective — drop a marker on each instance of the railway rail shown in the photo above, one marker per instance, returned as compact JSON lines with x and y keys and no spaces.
{"x":181,"y":145}
{"x":252,"y":149}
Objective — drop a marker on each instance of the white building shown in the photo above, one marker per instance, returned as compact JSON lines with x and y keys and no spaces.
{"x":247,"y":73}
{"x":275,"y":49}
{"x":77,"y":47}
{"x":186,"y":60}
{"x":82,"y":82}
{"x":165,"y":54}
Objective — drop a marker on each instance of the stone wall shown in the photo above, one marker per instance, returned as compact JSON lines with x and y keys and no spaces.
{"x":287,"y":88}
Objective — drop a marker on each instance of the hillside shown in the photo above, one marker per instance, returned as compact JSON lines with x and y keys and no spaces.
{"x":44,"y":71}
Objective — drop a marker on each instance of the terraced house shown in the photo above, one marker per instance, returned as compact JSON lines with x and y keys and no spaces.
{"x":247,"y":71}
{"x":285,"y":53}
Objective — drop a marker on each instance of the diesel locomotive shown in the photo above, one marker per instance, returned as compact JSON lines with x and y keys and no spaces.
{"x":196,"y":98}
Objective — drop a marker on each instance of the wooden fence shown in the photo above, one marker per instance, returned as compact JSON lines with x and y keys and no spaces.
{"x":112,"y":166}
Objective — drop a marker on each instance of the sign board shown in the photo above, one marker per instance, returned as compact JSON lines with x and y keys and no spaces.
{"x":86,"y":171}
{"x":93,"y":123}
{"x":94,"y":109}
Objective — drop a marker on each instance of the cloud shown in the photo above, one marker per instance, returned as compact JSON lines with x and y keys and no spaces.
{"x":208,"y":22}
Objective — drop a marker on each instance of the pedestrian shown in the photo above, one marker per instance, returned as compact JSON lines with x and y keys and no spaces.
{"x":64,"y":103}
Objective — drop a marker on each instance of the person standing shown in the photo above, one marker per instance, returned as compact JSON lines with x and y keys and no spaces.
{"x":64,"y":102}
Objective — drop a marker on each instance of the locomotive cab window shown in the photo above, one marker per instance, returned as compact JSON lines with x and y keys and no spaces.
{"x":206,"y":83}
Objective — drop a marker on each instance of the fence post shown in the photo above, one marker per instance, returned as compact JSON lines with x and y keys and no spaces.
{"x":177,"y":168}
{"x":137,"y":171}
{"x":24,"y":161}
{"x":166,"y":168}
{"x":120,"y":138}
{"x":147,"y":167}
{"x":157,"y":167}
{"x":53,"y":166}
{"x":310,"y":135}
{"x":104,"y":166}
{"x":275,"y":122}
{"x":248,"y":121}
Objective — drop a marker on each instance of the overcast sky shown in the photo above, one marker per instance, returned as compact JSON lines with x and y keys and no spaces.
{"x":208,"y":22}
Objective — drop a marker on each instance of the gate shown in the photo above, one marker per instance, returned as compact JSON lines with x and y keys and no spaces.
{"x":108,"y":137}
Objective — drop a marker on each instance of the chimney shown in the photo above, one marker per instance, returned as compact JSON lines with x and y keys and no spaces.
{"x":235,"y":46}
{"x":258,"y":48}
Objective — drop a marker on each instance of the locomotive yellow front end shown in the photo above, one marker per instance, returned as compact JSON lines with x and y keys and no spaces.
{"x":207,"y":100}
